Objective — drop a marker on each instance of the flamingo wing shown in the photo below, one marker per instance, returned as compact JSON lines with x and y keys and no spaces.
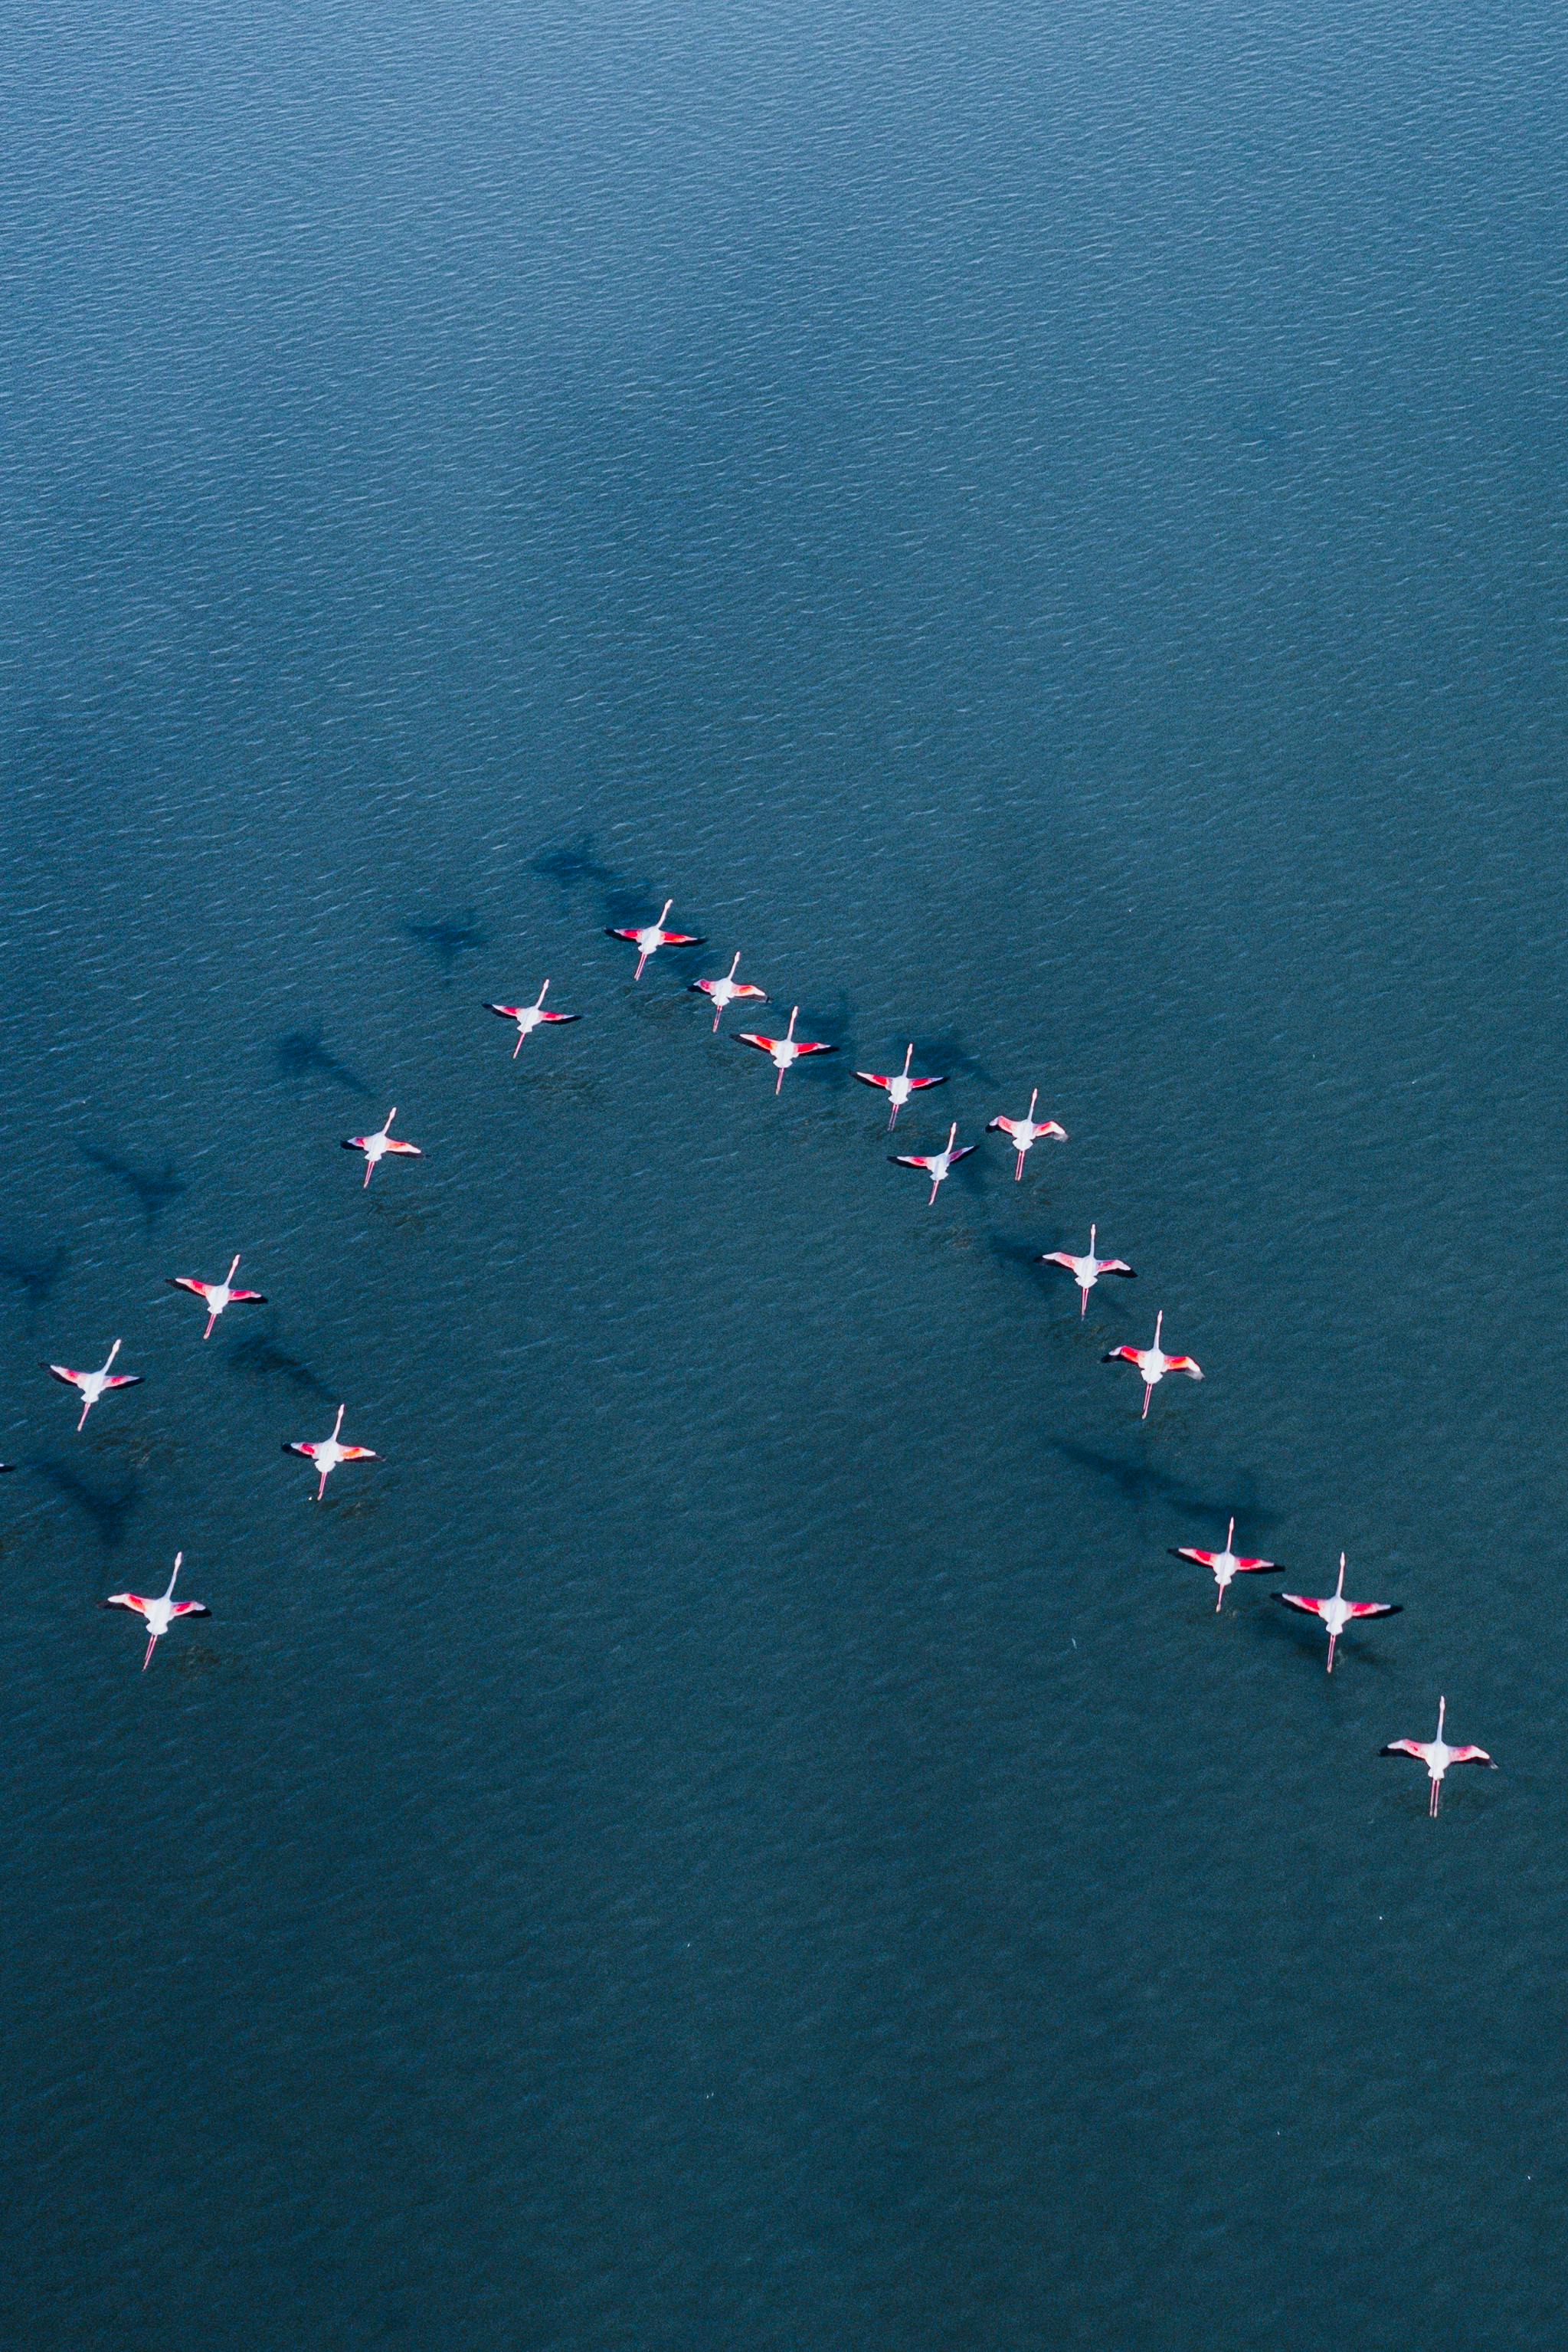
{"x":190,"y":1609}
{"x":806,"y":1046}
{"x":872,"y":1079}
{"x":1116,"y":1265}
{"x":64,"y":1372}
{"x":1125,"y":1355}
{"x":1302,"y":1601}
{"x":749,"y":988}
{"x":355,"y":1143}
{"x":555,"y":1019}
{"x":1375,"y":1607}
{"x":507,"y":1012}
{"x":1470,"y":1756}
{"x":188,"y":1282}
{"x":1181,"y":1551}
{"x":754,"y":1037}
{"x":613,"y":933}
{"x":1000,"y":1126}
{"x":1246,"y":1566}
{"x":1416,"y":1748}
{"x":1051,"y":1129}
{"x":962,"y":1152}
{"x":405,"y":1150}
{"x":918,"y":1086}
{"x":1059,"y":1258}
{"x":301,"y":1446}
{"x":125,"y":1600}
{"x":1184,"y":1364}
{"x":124,"y":1379}
{"x":910,"y":1159}
{"x":357,"y":1454}
{"x":248,"y":1299}
{"x":679,"y":939}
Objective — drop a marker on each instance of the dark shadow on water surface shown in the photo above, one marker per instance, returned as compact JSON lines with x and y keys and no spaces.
{"x":151,"y":1189}
{"x":1146,"y":1482}
{"x":107,"y":1502}
{"x":36,"y":1277}
{"x":262,"y":1359}
{"x":447,"y":940}
{"x":573,"y":867}
{"x":303,"y":1054}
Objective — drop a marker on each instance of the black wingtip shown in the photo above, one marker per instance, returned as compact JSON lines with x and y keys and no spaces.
{"x":348,"y":1143}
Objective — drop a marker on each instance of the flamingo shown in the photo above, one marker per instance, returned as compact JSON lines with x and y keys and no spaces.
{"x":723,"y":994}
{"x":1225,"y":1564}
{"x":1152,"y":1364}
{"x":1026,"y":1133}
{"x":375,"y":1146}
{"x":937,"y":1165}
{"x":784,"y":1050}
{"x":216,"y":1296}
{"x":93,"y":1384}
{"x":1437,"y":1755}
{"x":899,"y":1089}
{"x":528,"y":1017}
{"x":653,"y":937}
{"x":1086,"y":1270}
{"x":1336,"y":1612}
{"x":159,"y":1614}
{"x":324,"y":1453}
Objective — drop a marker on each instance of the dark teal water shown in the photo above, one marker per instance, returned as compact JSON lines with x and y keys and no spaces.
{"x":1044,"y":526}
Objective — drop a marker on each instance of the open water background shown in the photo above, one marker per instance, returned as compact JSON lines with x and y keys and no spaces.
{"x":1043,"y":525}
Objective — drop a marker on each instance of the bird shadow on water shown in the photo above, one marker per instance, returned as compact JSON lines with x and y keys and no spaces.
{"x":151,"y":1189}
{"x":303,"y":1054}
{"x":107,"y":1502}
{"x":447,"y":940}
{"x":36,"y":1277}
{"x":1147,"y":1482}
{"x":262,"y":1359}
{"x":574,"y":868}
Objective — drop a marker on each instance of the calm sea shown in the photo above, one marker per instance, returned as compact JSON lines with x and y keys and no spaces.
{"x":1044,"y":526}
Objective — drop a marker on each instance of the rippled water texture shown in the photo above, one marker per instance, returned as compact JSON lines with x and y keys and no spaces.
{"x":1043,"y":526}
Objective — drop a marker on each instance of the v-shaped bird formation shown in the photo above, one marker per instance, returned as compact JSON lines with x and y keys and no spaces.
{"x":1333,"y":1612}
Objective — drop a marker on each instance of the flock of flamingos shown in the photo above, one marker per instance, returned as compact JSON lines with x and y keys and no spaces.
{"x":326,"y":1454}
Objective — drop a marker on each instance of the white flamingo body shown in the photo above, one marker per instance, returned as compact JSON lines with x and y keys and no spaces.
{"x":158,"y":1613}
{"x":899,"y":1089}
{"x":216,"y":1296}
{"x":722,"y":993}
{"x":1438,"y":1754}
{"x":92,"y":1385}
{"x":377,"y":1145}
{"x":649,"y":938}
{"x":1152,"y":1364}
{"x":1026,"y":1133}
{"x":786,"y":1051}
{"x":937,"y":1165}
{"x":1086,"y":1270}
{"x":1336,"y":1611}
{"x":324,"y":1453}
{"x":529,"y":1017}
{"x":1225,"y":1564}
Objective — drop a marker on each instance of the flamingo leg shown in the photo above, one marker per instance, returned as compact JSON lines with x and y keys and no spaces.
{"x":778,"y":1087}
{"x":1333,"y":1639}
{"x":1083,"y":1304}
{"x":717,"y":1018}
{"x":208,"y":1332}
{"x":87,"y":1408}
{"x":1149,"y":1392}
{"x":370,"y":1169}
{"x":1219,"y":1601}
{"x":151,"y":1645}
{"x":321,"y":1486}
{"x":641,"y":961}
{"x":518,"y":1047}
{"x":1018,"y":1171}
{"x":1432,"y":1808}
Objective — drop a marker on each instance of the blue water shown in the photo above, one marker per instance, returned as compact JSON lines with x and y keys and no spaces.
{"x":1044,"y":525}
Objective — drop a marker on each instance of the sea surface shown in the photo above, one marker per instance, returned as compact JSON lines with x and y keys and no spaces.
{"x":1043,"y":525}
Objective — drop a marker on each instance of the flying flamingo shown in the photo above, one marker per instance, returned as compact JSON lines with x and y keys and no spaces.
{"x":93,"y":1384}
{"x":1225,"y":1564}
{"x":937,"y":1165}
{"x":899,"y":1089}
{"x":652,"y":938}
{"x":528,"y":1017}
{"x":723,"y":994}
{"x":1152,"y":1364}
{"x":1437,"y":1755}
{"x":159,"y":1614}
{"x":1336,"y":1612}
{"x":784,"y":1050}
{"x":376,"y":1146}
{"x":324,"y":1453}
{"x":1086,"y":1270}
{"x":1026,"y":1133}
{"x":216,"y":1296}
